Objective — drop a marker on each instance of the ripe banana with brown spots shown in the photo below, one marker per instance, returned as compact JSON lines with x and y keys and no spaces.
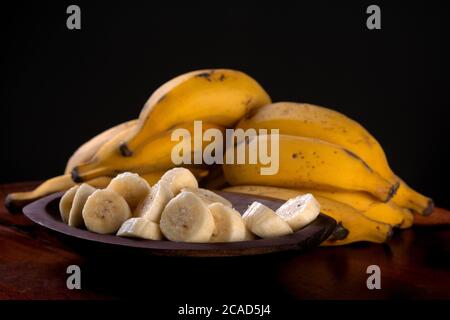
{"x":307,"y":120}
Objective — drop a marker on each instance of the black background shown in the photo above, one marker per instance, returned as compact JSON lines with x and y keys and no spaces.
{"x":61,"y":87}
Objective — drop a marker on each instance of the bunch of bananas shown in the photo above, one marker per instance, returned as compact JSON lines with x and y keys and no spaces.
{"x":322,"y":152}
{"x":220,"y":98}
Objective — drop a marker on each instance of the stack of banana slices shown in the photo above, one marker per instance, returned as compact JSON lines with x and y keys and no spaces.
{"x":176,"y":209}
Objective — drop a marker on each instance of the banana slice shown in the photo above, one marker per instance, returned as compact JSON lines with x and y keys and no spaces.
{"x":140,"y":228}
{"x":178,"y":178}
{"x":76,"y":213}
{"x":229,"y":224}
{"x":153,"y":205}
{"x":208,"y":196}
{"x":105,"y":211}
{"x":131,"y":187}
{"x":300,"y":211}
{"x":187,"y":219}
{"x":65,"y":204}
{"x":264,"y":222}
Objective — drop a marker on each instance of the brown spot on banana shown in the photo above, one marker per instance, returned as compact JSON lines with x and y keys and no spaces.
{"x":125,"y":151}
{"x":206,"y":75}
{"x":76,"y":176}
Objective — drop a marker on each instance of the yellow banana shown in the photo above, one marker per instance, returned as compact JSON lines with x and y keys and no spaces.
{"x":218,"y":96}
{"x":353,"y":226}
{"x":15,"y":201}
{"x":87,"y":150}
{"x":311,"y":163}
{"x":155,"y":155}
{"x":312,"y":121}
{"x":388,"y":212}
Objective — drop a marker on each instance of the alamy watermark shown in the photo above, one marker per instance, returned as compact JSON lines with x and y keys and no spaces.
{"x":237,"y":147}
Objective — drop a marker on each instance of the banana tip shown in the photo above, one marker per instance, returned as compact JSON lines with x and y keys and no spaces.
{"x":389,"y":235}
{"x":11,"y":205}
{"x":76,"y":176}
{"x":429,"y":209}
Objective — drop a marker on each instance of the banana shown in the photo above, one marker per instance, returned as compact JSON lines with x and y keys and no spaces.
{"x":300,"y":211}
{"x":229,"y":225}
{"x":264,"y":222}
{"x":153,"y":205}
{"x":208,"y":196}
{"x":65,"y":204}
{"x":353,"y":226}
{"x":131,"y":187}
{"x":388,"y":212}
{"x":220,"y":96}
{"x":140,"y":228}
{"x":155,"y":155}
{"x":153,"y":178}
{"x":87,"y":150}
{"x":76,"y":212}
{"x":408,"y":198}
{"x":312,"y":121}
{"x":179,"y":178}
{"x":311,"y":163}
{"x":187,"y":219}
{"x":105,"y":211}
{"x":15,"y":201}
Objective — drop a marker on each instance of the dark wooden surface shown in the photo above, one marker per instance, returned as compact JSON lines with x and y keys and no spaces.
{"x":33,"y":262}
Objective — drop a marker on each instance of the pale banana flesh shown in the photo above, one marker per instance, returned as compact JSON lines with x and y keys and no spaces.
{"x":65,"y":204}
{"x":131,"y":187}
{"x":357,"y":227}
{"x":208,"y":196}
{"x":300,"y":211}
{"x":76,"y":212}
{"x":311,"y":163}
{"x":140,"y":228}
{"x":105,"y":211}
{"x":179,"y":178}
{"x":229,"y":225}
{"x":264,"y":222}
{"x":187,"y":219}
{"x":152,"y":206}
{"x":307,"y":120}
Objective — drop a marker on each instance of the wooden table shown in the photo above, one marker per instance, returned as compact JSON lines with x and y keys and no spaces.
{"x":33,"y":262}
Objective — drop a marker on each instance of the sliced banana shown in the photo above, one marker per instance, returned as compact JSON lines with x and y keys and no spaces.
{"x":264,"y":222}
{"x":131,"y":187}
{"x":299,"y":211}
{"x":208,"y":196}
{"x":76,"y":213}
{"x":153,"y":205}
{"x":140,"y":228}
{"x":178,"y":178}
{"x":65,"y":204}
{"x":105,"y":211}
{"x":229,"y":225}
{"x":187,"y":219}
